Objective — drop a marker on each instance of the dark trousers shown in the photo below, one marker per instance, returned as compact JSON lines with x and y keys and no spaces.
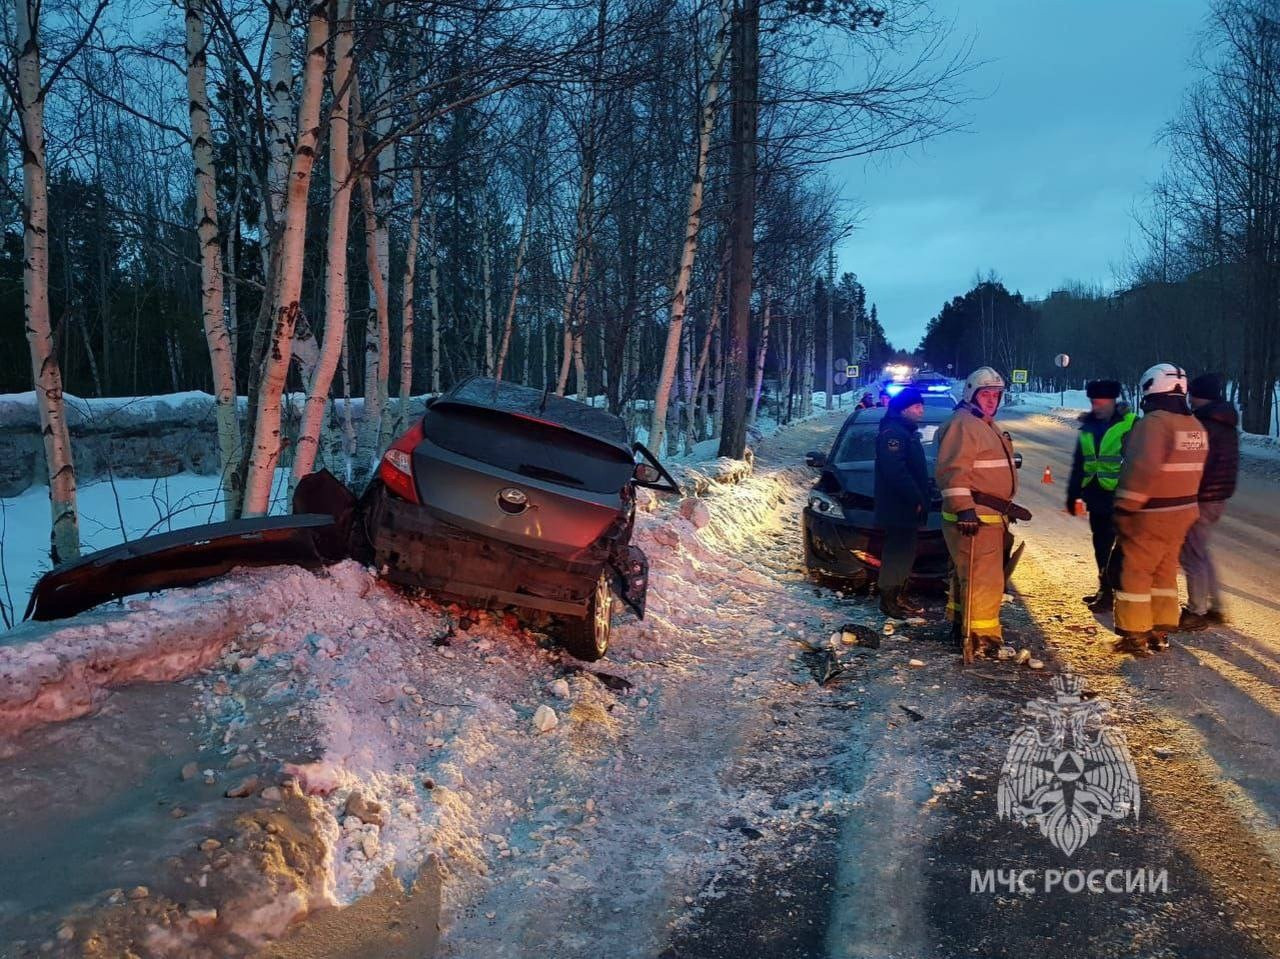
{"x":1103,"y":527}
{"x":897,"y":556}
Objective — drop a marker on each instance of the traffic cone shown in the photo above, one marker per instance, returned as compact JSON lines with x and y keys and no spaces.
{"x":1048,"y":476}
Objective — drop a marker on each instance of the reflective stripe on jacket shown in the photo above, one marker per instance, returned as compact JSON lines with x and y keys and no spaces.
{"x":1102,"y":462}
{"x":1163,"y":463}
{"x":973,"y":454}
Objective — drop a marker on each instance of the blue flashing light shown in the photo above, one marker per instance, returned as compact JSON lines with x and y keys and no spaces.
{"x":893,"y":389}
{"x":939,"y":388}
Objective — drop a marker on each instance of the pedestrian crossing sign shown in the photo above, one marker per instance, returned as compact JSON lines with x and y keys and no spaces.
{"x":853,"y":371}
{"x":1020,"y":376}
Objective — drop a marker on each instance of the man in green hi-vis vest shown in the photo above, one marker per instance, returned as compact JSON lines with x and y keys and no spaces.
{"x":1095,"y":472}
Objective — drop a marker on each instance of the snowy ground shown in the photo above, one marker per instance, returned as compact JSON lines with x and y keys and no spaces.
{"x":699,"y":795}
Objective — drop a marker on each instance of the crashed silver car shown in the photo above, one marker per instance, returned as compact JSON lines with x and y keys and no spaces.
{"x":500,"y":496}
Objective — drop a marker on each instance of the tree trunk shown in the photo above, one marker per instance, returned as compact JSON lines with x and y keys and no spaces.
{"x":733,"y":437}
{"x":515,"y":293}
{"x":693,"y":222}
{"x":211,"y":280}
{"x":761,"y":355}
{"x":377,"y":329}
{"x":486,"y":274}
{"x":335,"y":283}
{"x":831,"y":318}
{"x":64,"y":537}
{"x":434,"y":261}
{"x":406,"y":302}
{"x":280,"y":94}
{"x":288,"y":284}
{"x":575,"y":281}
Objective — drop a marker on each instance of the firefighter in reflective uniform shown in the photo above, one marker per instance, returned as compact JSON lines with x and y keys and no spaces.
{"x":1095,"y":472}
{"x":975,"y":472}
{"x":1156,"y":503}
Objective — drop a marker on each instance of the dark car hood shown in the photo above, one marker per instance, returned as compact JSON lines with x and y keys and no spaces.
{"x":856,"y":482}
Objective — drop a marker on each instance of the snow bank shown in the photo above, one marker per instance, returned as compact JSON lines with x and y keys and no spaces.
{"x":427,"y":712}
{"x":56,"y":672}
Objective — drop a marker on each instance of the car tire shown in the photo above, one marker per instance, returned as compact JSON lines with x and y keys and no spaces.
{"x":588,"y":638}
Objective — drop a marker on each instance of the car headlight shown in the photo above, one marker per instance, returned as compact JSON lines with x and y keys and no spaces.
{"x":820,"y":502}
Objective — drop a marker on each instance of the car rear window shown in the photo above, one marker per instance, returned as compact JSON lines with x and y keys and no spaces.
{"x":540,"y":451}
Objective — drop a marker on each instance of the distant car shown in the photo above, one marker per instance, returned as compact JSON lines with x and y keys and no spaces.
{"x":841,"y":540}
{"x":930,"y":384}
{"x":508,"y":496}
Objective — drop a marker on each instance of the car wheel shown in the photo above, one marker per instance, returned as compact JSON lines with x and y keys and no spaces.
{"x":588,"y":638}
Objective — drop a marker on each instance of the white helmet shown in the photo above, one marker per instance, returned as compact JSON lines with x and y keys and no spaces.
{"x":983,"y":378}
{"x":1164,"y":378}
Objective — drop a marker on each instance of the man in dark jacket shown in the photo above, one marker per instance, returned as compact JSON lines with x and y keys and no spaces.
{"x":902,"y":497}
{"x":1218,"y":484}
{"x":1095,"y":471}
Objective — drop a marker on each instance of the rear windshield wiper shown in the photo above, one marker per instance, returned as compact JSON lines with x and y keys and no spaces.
{"x":541,"y":472}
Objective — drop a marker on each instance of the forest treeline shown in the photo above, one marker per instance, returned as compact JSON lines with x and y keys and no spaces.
{"x":1202,"y":286}
{"x":377,"y":198}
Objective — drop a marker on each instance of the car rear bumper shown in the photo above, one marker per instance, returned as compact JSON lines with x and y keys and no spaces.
{"x":413,"y":547}
{"x":845,"y":549}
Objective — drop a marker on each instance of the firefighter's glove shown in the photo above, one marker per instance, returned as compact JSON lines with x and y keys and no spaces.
{"x":967,"y":522}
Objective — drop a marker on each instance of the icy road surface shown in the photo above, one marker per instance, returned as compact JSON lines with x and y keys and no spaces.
{"x":718,"y":803}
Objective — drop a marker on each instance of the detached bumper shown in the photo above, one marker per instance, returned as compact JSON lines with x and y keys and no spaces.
{"x":184,"y":558}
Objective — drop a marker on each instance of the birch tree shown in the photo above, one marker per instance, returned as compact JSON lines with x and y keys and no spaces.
{"x":689,"y":250}
{"x":335,"y":286}
{"x":286,"y":292}
{"x":27,"y":91}
{"x":221,"y":359}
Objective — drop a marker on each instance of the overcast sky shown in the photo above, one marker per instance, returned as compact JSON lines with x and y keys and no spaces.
{"x":1041,"y":186}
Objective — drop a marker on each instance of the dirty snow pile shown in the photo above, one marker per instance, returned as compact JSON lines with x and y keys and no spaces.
{"x":425,"y":729}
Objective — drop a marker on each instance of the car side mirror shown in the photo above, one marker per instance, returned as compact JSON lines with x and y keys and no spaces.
{"x":815,"y":459}
{"x":651,"y":474}
{"x":1017,"y":461}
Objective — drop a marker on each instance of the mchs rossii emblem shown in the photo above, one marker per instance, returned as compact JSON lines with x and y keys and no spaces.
{"x":1066,"y":769}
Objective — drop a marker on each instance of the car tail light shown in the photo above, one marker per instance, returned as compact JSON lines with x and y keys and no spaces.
{"x":396,"y":469}
{"x":866,"y":558}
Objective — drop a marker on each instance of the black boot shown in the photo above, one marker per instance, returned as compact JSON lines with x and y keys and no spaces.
{"x":1190,"y":622}
{"x":957,"y":639}
{"x":1102,"y":600}
{"x":890,"y":605}
{"x":1157,"y":641}
{"x":907,"y":606}
{"x":1105,"y":601}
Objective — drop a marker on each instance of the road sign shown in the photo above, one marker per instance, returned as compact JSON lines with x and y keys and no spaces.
{"x":1020,"y":376}
{"x":840,"y":378}
{"x":852,"y":371}
{"x":1061,"y":360}
{"x":840,"y":364}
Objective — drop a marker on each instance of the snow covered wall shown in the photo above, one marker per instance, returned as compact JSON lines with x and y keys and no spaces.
{"x":123,"y":437}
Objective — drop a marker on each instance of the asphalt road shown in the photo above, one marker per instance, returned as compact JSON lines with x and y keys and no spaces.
{"x":894,"y":878}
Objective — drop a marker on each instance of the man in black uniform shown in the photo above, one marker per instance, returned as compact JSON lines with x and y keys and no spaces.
{"x":1095,"y":472}
{"x":902,"y":497}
